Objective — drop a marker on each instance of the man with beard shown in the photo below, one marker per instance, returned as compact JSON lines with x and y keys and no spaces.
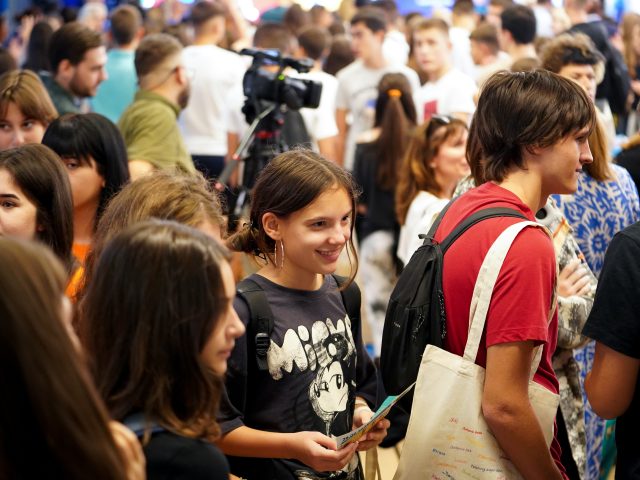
{"x":149,"y":125}
{"x":78,"y":57}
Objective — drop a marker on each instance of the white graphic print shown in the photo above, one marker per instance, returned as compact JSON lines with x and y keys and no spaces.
{"x":326,"y":350}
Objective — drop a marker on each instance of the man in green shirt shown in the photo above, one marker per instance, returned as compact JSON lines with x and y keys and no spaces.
{"x":149,"y":126}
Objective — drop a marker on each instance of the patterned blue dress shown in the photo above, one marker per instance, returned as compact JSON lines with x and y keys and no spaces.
{"x":597,"y":211}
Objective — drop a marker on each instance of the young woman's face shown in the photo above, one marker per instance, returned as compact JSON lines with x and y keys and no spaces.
{"x":314,"y":236}
{"x":450,"y":163}
{"x":229,"y":327}
{"x":17,"y":213}
{"x":86,"y":182}
{"x":16,"y":129}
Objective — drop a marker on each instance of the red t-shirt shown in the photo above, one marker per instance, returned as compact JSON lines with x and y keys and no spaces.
{"x":524,"y":289}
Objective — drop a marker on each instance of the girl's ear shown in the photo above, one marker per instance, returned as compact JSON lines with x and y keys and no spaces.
{"x":271,"y":226}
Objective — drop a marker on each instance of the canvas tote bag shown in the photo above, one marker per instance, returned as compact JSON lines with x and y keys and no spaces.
{"x":448,"y":436}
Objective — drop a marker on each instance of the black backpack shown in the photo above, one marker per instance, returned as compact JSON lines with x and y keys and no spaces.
{"x":416,"y":315}
{"x":261,"y":318}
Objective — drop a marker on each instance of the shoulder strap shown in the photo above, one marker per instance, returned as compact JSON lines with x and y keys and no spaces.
{"x":139,"y":424}
{"x":260,"y":320}
{"x":436,"y":223}
{"x":477,"y":217}
{"x":351,"y":297}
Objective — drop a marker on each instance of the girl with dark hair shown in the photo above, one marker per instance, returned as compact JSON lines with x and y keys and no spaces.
{"x":52,"y":422}
{"x":433,"y":165}
{"x":377,"y":164}
{"x":158,"y":325}
{"x":35,"y":199}
{"x":25,"y":109}
{"x":94,"y":154}
{"x":320,"y":380}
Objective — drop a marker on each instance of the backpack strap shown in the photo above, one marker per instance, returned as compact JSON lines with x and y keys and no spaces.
{"x":260,"y":319}
{"x":436,"y":223}
{"x":477,"y":217}
{"x":139,"y":424}
{"x":351,"y":297}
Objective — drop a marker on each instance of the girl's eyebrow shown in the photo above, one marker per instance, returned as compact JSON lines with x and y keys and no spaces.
{"x":9,"y":195}
{"x":316,"y":219}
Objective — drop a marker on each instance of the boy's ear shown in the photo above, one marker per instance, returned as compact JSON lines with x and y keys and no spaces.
{"x":271,"y":226}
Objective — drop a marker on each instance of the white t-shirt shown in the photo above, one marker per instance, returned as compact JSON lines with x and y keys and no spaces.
{"x":451,"y":93}
{"x":395,"y":48}
{"x":422,"y":212}
{"x":461,"y":51}
{"x":216,"y":90}
{"x":357,"y":93}
{"x":321,"y":121}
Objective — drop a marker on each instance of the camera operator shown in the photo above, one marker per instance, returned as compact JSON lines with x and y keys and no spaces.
{"x":217,"y":90}
{"x":313,"y":43}
{"x":273,"y":36}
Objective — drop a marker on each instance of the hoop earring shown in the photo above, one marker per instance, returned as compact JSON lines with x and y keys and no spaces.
{"x":281,"y":254}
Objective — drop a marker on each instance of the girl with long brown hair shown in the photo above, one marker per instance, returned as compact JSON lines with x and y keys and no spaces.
{"x":52,"y":422}
{"x":378,"y":160}
{"x":158,"y":325}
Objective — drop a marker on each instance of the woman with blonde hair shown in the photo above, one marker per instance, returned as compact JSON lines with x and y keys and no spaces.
{"x":25,"y":109}
{"x":184,"y":198}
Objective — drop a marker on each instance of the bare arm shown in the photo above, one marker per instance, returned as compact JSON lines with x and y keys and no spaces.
{"x":509,"y":414}
{"x":311,"y":448}
{"x":327,"y":147}
{"x":341,"y":122}
{"x":611,"y":382}
{"x":139,"y":168}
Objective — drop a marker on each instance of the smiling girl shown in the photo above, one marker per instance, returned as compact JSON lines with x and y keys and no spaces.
{"x":317,"y":380}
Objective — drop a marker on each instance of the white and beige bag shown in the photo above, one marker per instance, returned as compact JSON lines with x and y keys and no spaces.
{"x":448,"y":436}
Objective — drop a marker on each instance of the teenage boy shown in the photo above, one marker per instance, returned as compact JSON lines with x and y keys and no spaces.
{"x":447,"y":91}
{"x":518,"y":32}
{"x":313,"y":43}
{"x":204,"y":122}
{"x":528,"y":139}
{"x":358,"y":82}
{"x":117,"y":92}
{"x":485,"y":52}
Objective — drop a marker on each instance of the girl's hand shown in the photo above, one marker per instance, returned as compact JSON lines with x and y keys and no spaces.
{"x":319,"y":451}
{"x":130,"y":451}
{"x":375,"y":435}
{"x":573,"y":280}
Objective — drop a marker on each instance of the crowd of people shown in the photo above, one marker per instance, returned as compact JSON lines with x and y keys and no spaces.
{"x":139,"y":342}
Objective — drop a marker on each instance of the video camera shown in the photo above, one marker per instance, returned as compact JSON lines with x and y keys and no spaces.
{"x":272,"y":85}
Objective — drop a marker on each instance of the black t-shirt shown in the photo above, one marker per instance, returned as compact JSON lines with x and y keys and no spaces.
{"x":381,"y":214}
{"x":317,"y":366}
{"x":630,"y":159}
{"x":173,"y":457}
{"x":615,"y":322}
